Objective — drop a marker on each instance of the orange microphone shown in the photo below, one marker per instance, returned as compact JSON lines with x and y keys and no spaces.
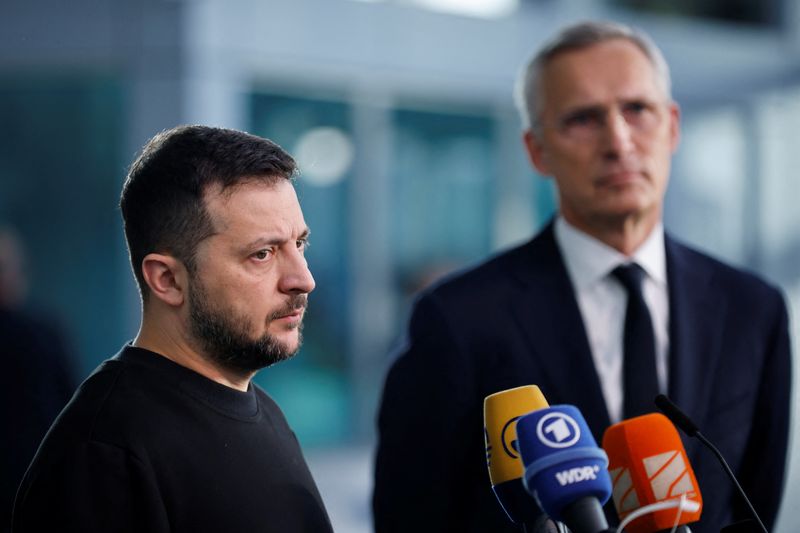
{"x":648,"y":465}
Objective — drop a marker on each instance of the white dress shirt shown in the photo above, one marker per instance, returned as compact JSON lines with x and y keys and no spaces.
{"x":602,"y":301}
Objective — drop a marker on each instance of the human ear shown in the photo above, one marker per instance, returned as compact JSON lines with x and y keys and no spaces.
{"x":536,"y":152}
{"x":675,"y":126}
{"x":165,"y":276}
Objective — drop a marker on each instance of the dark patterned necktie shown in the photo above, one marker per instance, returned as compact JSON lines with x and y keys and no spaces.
{"x":640,"y":382}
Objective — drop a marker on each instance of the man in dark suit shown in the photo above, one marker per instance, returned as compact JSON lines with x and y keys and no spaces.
{"x":599,"y":119}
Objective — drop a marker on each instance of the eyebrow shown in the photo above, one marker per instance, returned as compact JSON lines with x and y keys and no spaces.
{"x":586,"y":108}
{"x":265,"y":241}
{"x":617,"y":101}
{"x":602,"y":108}
{"x":572,"y":112}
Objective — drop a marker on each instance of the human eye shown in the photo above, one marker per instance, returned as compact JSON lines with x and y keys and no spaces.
{"x":302,"y":244}
{"x":582,"y":119}
{"x":636,"y":107}
{"x":640,"y":114}
{"x":262,"y":255}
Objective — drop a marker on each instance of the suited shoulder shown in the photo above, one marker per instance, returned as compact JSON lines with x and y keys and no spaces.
{"x":482,"y":283}
{"x":739,"y":283}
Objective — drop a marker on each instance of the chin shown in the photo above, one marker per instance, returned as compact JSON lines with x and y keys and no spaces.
{"x":290,"y":342}
{"x":630,"y":204}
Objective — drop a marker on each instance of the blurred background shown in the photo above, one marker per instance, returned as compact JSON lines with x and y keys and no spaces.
{"x":401,"y":117}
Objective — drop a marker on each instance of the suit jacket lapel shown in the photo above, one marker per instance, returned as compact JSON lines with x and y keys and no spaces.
{"x":548,"y":315}
{"x":695,"y":330}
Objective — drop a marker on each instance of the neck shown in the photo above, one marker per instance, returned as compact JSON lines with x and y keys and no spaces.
{"x":625,"y":235}
{"x":178,"y":346}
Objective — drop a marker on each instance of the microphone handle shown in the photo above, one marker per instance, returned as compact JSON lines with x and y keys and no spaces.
{"x":728,"y":471}
{"x":544,"y":524}
{"x":585,"y":515}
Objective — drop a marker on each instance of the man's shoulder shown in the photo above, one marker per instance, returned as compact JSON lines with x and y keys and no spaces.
{"x":91,"y":396}
{"x":721,"y":274}
{"x":118,"y":401}
{"x":500,"y":271}
{"x":75,"y":429}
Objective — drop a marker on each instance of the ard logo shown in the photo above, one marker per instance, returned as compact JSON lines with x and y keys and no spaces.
{"x":558,"y":430}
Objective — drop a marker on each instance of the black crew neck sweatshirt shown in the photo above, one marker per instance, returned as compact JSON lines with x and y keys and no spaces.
{"x":147,"y":445}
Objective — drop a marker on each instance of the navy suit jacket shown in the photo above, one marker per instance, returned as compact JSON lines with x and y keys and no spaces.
{"x":514,"y":320}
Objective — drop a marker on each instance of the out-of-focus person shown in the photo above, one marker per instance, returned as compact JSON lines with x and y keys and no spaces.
{"x":38,"y":375}
{"x":602,"y":309}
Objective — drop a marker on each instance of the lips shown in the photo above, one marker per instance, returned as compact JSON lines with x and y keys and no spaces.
{"x":294,"y":308}
{"x":297,"y":313}
{"x":620,"y":177}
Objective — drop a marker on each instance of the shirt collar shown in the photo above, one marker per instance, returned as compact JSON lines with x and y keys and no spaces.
{"x":589,"y":260}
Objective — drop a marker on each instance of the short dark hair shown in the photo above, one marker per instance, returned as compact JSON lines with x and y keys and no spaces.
{"x":162,"y":202}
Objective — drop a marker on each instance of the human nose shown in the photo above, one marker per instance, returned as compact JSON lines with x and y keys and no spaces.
{"x":617,"y":133}
{"x":296,"y":278}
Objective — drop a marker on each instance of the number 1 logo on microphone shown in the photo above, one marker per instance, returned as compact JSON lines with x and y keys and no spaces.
{"x":558,"y":430}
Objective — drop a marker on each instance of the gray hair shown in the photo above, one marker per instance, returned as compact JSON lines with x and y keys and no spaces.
{"x":527,"y":92}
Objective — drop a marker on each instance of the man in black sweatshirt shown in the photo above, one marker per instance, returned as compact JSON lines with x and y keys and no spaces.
{"x":171,"y":434}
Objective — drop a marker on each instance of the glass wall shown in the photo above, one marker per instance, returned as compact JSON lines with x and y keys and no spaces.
{"x":442,"y":193}
{"x":60,"y":177}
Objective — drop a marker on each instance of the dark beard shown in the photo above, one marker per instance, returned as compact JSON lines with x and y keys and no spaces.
{"x":224,"y":336}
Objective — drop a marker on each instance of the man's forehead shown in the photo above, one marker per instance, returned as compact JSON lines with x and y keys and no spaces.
{"x":278,"y":193}
{"x":616,"y":68}
{"x":252,"y":198}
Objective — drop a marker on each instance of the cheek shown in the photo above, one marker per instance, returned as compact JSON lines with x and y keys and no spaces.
{"x":260,"y":299}
{"x":574,"y":168}
{"x":241,"y":298}
{"x":574,"y":155}
{"x":661,"y":154}
{"x":664,"y":142}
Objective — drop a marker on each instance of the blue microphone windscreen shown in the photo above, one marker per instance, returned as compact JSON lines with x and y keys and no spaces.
{"x":561,"y":459}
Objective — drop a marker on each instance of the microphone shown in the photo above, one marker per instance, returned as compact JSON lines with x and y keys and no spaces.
{"x":501,"y":411}
{"x":565,"y":471}
{"x":648,"y":465}
{"x":682,"y":420}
